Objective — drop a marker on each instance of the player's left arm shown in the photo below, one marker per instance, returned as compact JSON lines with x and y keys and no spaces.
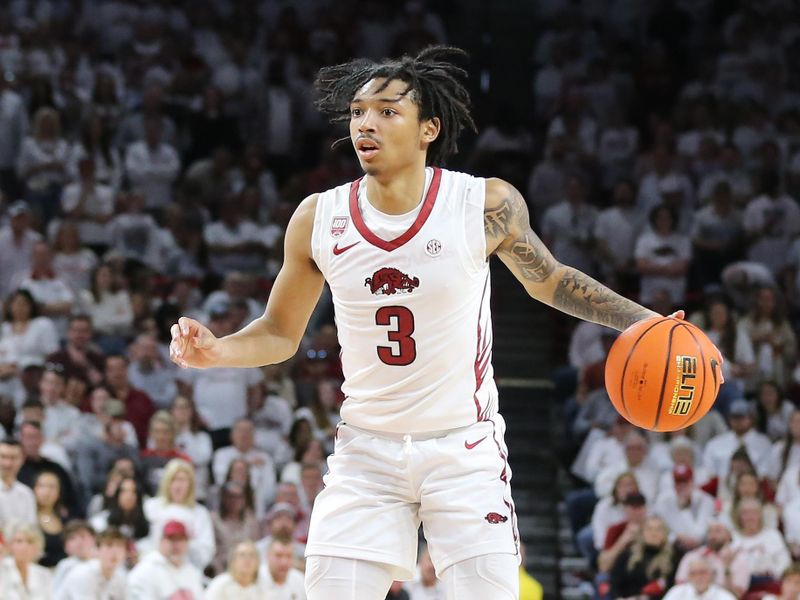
{"x":509,"y":235}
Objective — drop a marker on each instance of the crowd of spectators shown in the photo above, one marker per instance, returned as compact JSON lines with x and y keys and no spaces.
{"x":672,"y":173}
{"x":151,"y":154}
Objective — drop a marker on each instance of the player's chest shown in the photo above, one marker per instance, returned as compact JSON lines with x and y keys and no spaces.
{"x":429,"y":266}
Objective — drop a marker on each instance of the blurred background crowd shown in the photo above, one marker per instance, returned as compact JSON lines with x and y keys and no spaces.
{"x":151,"y":154}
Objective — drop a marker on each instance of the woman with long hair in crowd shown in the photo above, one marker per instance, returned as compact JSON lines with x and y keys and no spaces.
{"x":773,"y":411}
{"x":241,"y":580}
{"x":96,"y":144}
{"x":122,"y":468}
{"x":774,"y":340}
{"x":785,"y":453}
{"x":747,"y":486}
{"x":20,"y":577}
{"x":312,"y":452}
{"x":24,"y":334}
{"x":125,"y":511}
{"x":648,"y":567}
{"x":733,"y":340}
{"x":193,"y":441}
{"x":109,"y":305}
{"x":234,"y":521}
{"x":176,"y":501}
{"x":51,"y":516}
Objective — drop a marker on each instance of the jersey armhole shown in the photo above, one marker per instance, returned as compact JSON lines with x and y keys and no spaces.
{"x":316,"y":248}
{"x":474,"y":235}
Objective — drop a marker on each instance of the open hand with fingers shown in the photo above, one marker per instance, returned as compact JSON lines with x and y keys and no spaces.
{"x":193,"y":345}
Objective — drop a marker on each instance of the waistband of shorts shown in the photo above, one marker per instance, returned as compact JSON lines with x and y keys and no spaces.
{"x":419,"y":436}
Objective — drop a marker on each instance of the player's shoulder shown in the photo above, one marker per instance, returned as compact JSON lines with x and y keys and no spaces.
{"x":499,"y":192}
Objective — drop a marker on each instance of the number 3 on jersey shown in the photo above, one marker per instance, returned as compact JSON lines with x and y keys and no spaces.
{"x":402,"y":320}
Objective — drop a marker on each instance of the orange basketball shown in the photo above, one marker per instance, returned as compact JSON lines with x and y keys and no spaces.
{"x":663,"y":374}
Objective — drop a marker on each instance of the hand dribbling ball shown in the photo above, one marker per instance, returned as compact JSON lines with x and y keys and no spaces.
{"x":663,"y":374}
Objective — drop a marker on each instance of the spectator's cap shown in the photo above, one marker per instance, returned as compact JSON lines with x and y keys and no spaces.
{"x":740,"y":408}
{"x":30,"y":362}
{"x":175,"y":529}
{"x":634,"y":499}
{"x":115,"y":408}
{"x":282,"y":508}
{"x":219,"y":310}
{"x":682,"y":473}
{"x":671,"y":184}
{"x":680,"y":442}
{"x":17,"y":208}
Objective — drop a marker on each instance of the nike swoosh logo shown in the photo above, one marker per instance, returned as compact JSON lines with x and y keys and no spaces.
{"x":337,"y":251}
{"x":469,"y":446}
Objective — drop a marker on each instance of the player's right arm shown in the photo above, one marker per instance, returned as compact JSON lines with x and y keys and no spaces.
{"x":275,"y":335}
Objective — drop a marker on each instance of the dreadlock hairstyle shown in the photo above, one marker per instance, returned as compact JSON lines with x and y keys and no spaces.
{"x":434,"y":83}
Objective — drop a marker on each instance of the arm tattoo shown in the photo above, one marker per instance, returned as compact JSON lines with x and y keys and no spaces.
{"x":532,"y":259}
{"x":583,"y":297}
{"x":495,"y":220}
{"x":525,"y":250}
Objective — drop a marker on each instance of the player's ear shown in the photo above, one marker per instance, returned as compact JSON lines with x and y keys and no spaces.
{"x":430,"y":129}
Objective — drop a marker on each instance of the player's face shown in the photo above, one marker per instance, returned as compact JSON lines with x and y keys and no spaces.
{"x":385,"y":128}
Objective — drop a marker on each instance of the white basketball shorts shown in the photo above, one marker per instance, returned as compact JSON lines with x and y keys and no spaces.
{"x":380,"y":486}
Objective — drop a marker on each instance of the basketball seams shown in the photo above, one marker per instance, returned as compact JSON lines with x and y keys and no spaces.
{"x":628,"y":358}
{"x":699,"y":402}
{"x":664,"y":380}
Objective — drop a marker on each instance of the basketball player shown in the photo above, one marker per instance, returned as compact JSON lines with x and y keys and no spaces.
{"x":405,"y":252}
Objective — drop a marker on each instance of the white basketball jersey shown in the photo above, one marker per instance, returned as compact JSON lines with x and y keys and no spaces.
{"x":412,"y":312}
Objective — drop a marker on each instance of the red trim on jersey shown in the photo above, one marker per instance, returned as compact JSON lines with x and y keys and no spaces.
{"x":424,"y":213}
{"x":483,"y":358}
{"x":504,"y":478}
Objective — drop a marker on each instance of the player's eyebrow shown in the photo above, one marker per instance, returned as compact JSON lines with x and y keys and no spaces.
{"x":388,"y":100}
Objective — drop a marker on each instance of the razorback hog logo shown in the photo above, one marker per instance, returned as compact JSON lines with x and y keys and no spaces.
{"x":388,"y":281}
{"x":495,"y":518}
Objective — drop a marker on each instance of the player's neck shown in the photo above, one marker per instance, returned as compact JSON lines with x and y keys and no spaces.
{"x":398,"y":194}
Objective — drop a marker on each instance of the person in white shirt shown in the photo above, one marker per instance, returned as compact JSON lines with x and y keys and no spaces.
{"x":568,"y":227}
{"x":134,"y":234}
{"x":52,"y":293}
{"x":100,"y":578}
{"x":662,"y":256}
{"x":718,"y":451}
{"x":150,"y":372}
{"x":193,"y":441}
{"x":176,"y":502}
{"x":241,"y":388}
{"x":636,"y":450}
{"x":17,"y":502}
{"x":790,"y":585}
{"x":42,"y":163}
{"x":731,"y":569}
{"x":79,"y":545}
{"x":764,"y":548}
{"x":89,"y":203}
{"x":771,"y":221}
{"x":786,"y":452}
{"x":283,"y":581}
{"x":427,"y":587}
{"x":236,"y":243}
{"x":686,"y":509}
{"x":700,"y":585}
{"x":16,"y":245}
{"x":73,"y":261}
{"x":241,"y":581}
{"x":791,"y":525}
{"x":24,"y":335}
{"x":262,"y":468}
{"x":615,"y":232}
{"x":152,"y":165}
{"x":166,"y":572}
{"x":63,"y":423}
{"x":20,"y":577}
